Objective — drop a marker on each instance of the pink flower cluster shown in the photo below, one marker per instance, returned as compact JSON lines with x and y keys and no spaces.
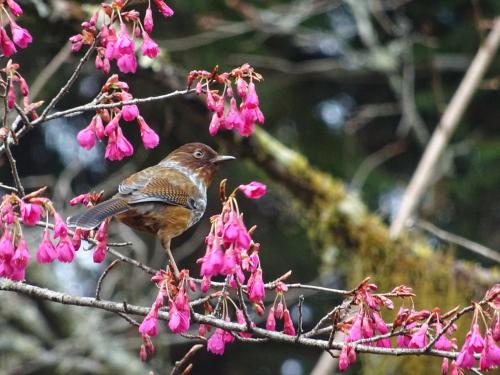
{"x":230,"y":249}
{"x":14,"y":254}
{"x":240,"y":117}
{"x":483,"y":344}
{"x":280,"y":311}
{"x":106,"y":123}
{"x":115,"y":37}
{"x":20,"y":36}
{"x":175,"y":291}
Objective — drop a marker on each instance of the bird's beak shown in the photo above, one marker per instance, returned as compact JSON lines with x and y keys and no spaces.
{"x":220,"y":158}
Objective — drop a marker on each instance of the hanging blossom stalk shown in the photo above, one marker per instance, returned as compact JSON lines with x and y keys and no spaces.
{"x":243,"y":111}
{"x":106,"y":123}
{"x":115,"y":31}
{"x":19,"y":36}
{"x":230,"y":252}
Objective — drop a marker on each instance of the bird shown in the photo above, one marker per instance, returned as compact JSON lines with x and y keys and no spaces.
{"x":165,"y":199}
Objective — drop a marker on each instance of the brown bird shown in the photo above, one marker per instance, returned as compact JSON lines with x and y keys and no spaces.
{"x":165,"y":199}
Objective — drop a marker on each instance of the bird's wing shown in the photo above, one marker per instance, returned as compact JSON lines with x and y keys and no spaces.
{"x":164,"y":185}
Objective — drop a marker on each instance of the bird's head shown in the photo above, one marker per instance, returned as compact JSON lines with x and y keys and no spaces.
{"x":198,"y":158}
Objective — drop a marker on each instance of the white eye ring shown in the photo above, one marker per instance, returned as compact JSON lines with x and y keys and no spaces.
{"x":198,"y":154}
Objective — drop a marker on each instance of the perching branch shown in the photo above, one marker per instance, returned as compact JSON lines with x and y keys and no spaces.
{"x":115,"y":307}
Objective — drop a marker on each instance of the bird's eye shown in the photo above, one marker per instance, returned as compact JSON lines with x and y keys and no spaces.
{"x":198,"y":154}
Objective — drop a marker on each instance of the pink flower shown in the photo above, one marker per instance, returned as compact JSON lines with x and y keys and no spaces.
{"x":21,"y":256}
{"x":355,"y":332}
{"x":240,"y":318}
{"x":476,"y":341}
{"x":86,"y":137}
{"x":443,"y":343}
{"x":465,"y":358}
{"x":251,"y":99}
{"x":205,"y":284}
{"x":288,"y":327}
{"x":496,"y":329}
{"x":127,"y":63}
{"x":6,"y":246}
{"x":419,"y":338}
{"x":216,"y":343}
{"x":271,"y":322}
{"x":99,"y":127}
{"x":31,"y":213}
{"x":179,"y":313}
{"x":11,"y":97}
{"x":148,"y":20}
{"x":278,"y":312}
{"x":164,"y":8}
{"x":20,"y":35}
{"x":253,"y":190}
{"x":124,"y":44}
{"x":14,"y":8}
{"x":113,"y":125}
{"x":444,"y":366}
{"x":76,"y":42}
{"x":212,"y":261}
{"x":130,"y":112}
{"x":149,"y":325}
{"x":490,"y":357}
{"x":347,"y":357}
{"x":241,"y":87}
{"x":149,"y":137}
{"x":233,"y":117}
{"x":60,"y":228}
{"x":149,"y":46}
{"x":46,"y":252}
{"x":23,"y":87}
{"x":100,"y":253}
{"x":65,"y":250}
{"x":215,"y":124}
{"x":255,"y":287}
{"x":8,"y":47}
{"x":236,"y":233}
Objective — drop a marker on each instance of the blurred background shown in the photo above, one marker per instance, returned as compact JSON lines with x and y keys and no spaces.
{"x":352,"y":91}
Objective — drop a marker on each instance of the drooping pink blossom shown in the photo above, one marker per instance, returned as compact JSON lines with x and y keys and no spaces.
{"x":255,"y":287}
{"x":60,"y":228}
{"x":30,"y":213}
{"x":490,"y":356}
{"x":215,"y":124}
{"x":21,"y":255}
{"x":253,"y":190}
{"x":251,"y":98}
{"x":130,"y":112}
{"x":476,"y":341}
{"x":288,"y":327}
{"x":148,"y":20}
{"x":100,"y":253}
{"x":14,"y":8}
{"x":164,"y":8}
{"x":271,"y":321}
{"x":65,"y":250}
{"x":180,"y":314}
{"x":8,"y":47}
{"x":127,"y":63}
{"x":216,"y":343}
{"x":419,"y":338}
{"x":86,"y":137}
{"x":149,"y":137}
{"x":149,"y":46}
{"x":20,"y":35}
{"x":46,"y":252}
{"x":149,"y":325}
{"x":465,"y":358}
{"x":347,"y":357}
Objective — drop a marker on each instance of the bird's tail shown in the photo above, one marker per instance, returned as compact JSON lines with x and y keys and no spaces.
{"x":94,"y":216}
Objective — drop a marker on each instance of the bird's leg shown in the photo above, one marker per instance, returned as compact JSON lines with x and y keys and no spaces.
{"x":166,"y":245}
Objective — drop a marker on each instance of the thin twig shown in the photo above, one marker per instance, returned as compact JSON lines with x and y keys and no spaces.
{"x":70,"y":81}
{"x":458,"y":240}
{"x":184,"y":360}
{"x":299,"y":325}
{"x":133,"y":322}
{"x":447,"y":125}
{"x":8,"y":188}
{"x":101,"y":278}
{"x":13,"y":168}
{"x":248,"y":321}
